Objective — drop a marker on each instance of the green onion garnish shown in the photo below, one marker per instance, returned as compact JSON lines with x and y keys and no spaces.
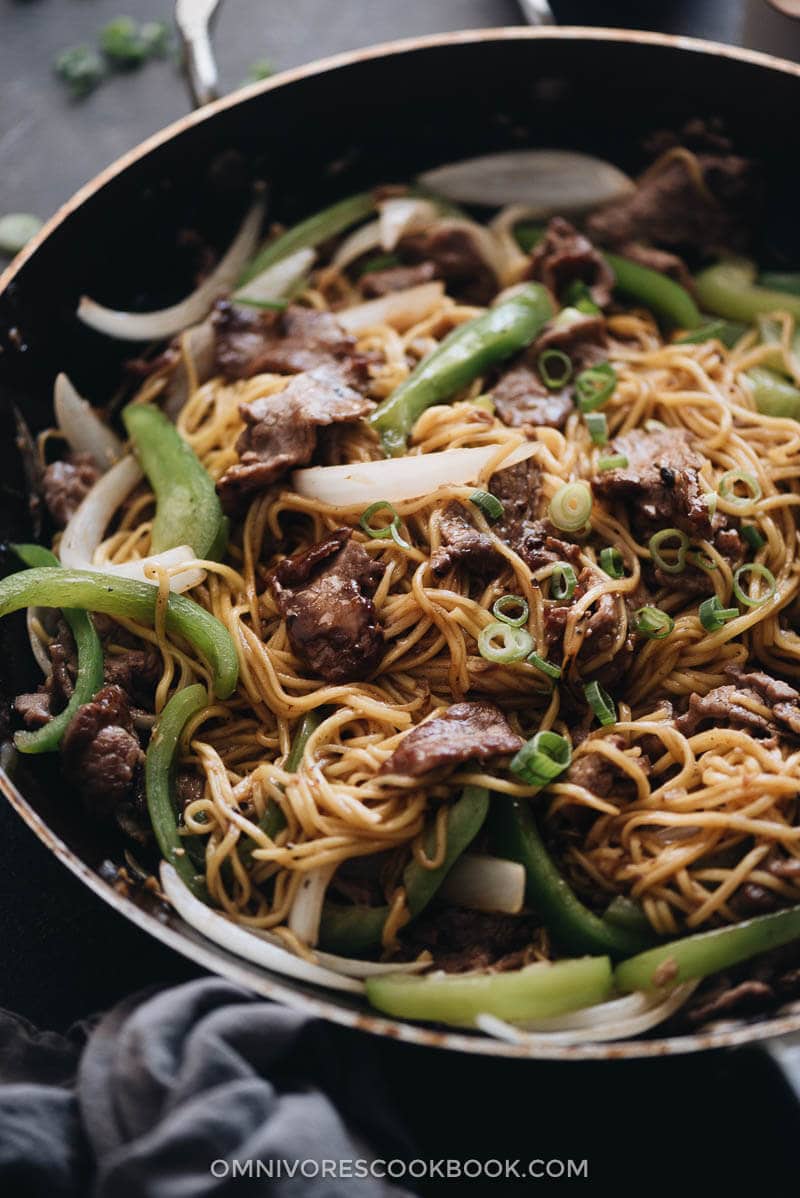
{"x":753,"y":536}
{"x":670,"y":534}
{"x":729,"y":480}
{"x":601,"y":703}
{"x":595,"y":385}
{"x":578,"y":295}
{"x":489,"y":504}
{"x":653,"y":623}
{"x":761,"y":572}
{"x":555,"y":368}
{"x":501,"y":610}
{"x":571,"y":507}
{"x":696,"y":557}
{"x":713,"y":615}
{"x":562,"y":581}
{"x":542,"y":758}
{"x":546,"y":667}
{"x":614,"y":461}
{"x":711,"y":503}
{"x":597,"y":425}
{"x":612,"y":562}
{"x":386,"y":531}
{"x":514,"y":643}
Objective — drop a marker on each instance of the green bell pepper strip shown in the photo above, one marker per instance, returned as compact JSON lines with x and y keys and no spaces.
{"x":707,"y":952}
{"x":89,"y":678}
{"x":312,"y":231}
{"x":159,"y":776}
{"x":661,"y":295}
{"x":772,"y":394}
{"x":535,"y":992}
{"x":133,"y":600}
{"x":787,"y":281}
{"x":350,"y":930}
{"x":464,"y":354}
{"x":572,"y":925}
{"x":188,"y":510}
{"x":729,"y":289}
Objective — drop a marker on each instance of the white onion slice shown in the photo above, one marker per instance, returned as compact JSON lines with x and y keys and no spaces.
{"x":395,"y":479}
{"x":555,"y":181}
{"x":306,"y":910}
{"x":401,"y":215}
{"x":200,"y":346}
{"x":619,"y":1019}
{"x":400,"y":309}
{"x":83,"y":428}
{"x":485,"y":883}
{"x":364,"y":239}
{"x":38,"y":649}
{"x":85,"y":531}
{"x":485,"y":243}
{"x":278,"y":280}
{"x":154,"y":326}
{"x":244,"y":944}
{"x":351,"y":967}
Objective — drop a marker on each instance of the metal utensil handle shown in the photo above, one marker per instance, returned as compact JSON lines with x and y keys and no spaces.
{"x":193,"y":19}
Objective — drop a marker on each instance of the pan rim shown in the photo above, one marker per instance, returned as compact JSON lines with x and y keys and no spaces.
{"x":174,"y":933}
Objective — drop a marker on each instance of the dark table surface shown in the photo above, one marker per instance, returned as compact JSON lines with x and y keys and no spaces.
{"x":63,"y":953}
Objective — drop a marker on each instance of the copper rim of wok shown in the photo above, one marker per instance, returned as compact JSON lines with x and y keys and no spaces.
{"x":172,"y":931}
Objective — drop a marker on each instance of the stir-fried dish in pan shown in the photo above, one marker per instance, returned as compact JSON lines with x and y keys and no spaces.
{"x":431,"y":611}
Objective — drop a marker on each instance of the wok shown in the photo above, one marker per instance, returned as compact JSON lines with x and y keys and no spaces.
{"x":316,"y":134}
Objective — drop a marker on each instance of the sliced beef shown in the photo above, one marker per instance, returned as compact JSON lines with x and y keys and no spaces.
{"x":66,"y":484}
{"x":456,"y":255}
{"x":539,"y":546}
{"x":136,"y":672}
{"x":34,"y":708}
{"x":517,"y":488}
{"x":464,"y":732}
{"x":281,"y":430}
{"x":325,"y":596}
{"x":251,"y":342}
{"x":461,"y":940}
{"x":564,"y":256}
{"x":376,"y":283}
{"x":189,"y":788}
{"x":701,"y":201}
{"x":101,"y":753}
{"x":773,"y":977}
{"x":55,"y":692}
{"x":728,"y":705}
{"x":594,"y":771}
{"x":462,"y":544}
{"x":661,"y":482}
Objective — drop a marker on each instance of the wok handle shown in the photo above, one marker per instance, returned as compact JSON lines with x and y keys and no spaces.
{"x":193,"y":18}
{"x":784,"y":1053}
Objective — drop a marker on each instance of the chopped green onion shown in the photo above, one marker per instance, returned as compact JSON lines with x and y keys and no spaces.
{"x":542,"y":758}
{"x":653,"y":623}
{"x":696,"y":557}
{"x":601,"y":703}
{"x":500,"y":610}
{"x":595,"y":385}
{"x":761,"y":572}
{"x":81,"y":68}
{"x":578,"y":295}
{"x":515,"y":643}
{"x":670,"y":534}
{"x":555,"y":368}
{"x":711,"y":502}
{"x":751,"y":534}
{"x":713,"y":615}
{"x":489,"y":504}
{"x":562,"y":581}
{"x":612,"y":562}
{"x":614,"y":461}
{"x":597,"y":425}
{"x":654,"y":426}
{"x":16,"y":230}
{"x":729,"y":480}
{"x":262,"y":68}
{"x":546,"y":667}
{"x":387,"y":531}
{"x":571,"y":507}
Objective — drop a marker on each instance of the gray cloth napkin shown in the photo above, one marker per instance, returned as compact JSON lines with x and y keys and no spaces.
{"x":142,"y":1102}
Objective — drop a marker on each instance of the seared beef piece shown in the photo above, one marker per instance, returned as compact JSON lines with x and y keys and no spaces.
{"x":538,"y":546}
{"x":661,"y":261}
{"x":325,"y":596}
{"x":464,"y":732}
{"x":671,"y":206}
{"x":376,"y":283}
{"x":596,"y":773}
{"x":563,"y":256}
{"x":456,"y":258}
{"x":101,"y":754}
{"x":462,"y":544}
{"x":34,"y":708}
{"x":751,"y":987}
{"x":188,"y":788}
{"x":752,"y":899}
{"x":252,"y":342}
{"x":136,"y":672}
{"x":781,"y":865}
{"x":517,"y":488}
{"x":66,"y":484}
{"x":727,"y":1002}
{"x":726,"y":705}
{"x":281,"y":429}
{"x":460,"y":939}
{"x":53,"y":695}
{"x":661,"y":483}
